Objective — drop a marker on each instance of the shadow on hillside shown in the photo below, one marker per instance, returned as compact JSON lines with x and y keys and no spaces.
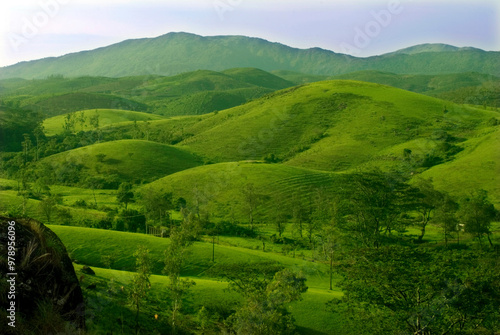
{"x":112,"y":161}
{"x":309,"y":331}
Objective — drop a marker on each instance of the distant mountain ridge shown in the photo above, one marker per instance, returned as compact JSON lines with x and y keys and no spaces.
{"x":176,"y":53}
{"x":433,"y":47}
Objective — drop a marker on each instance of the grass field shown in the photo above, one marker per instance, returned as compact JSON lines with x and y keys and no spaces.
{"x":87,"y":246}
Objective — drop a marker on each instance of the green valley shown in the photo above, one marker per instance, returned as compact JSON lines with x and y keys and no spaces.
{"x":253,"y":188}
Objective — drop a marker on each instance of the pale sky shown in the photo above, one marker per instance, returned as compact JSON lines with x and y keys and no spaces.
{"x":33,"y":29}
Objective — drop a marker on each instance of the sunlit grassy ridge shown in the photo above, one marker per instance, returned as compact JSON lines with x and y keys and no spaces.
{"x":131,"y":160}
{"x":332,"y":125}
{"x":478,"y":166}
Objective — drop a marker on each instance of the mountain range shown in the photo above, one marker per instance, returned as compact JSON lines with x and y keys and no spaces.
{"x":176,"y":53}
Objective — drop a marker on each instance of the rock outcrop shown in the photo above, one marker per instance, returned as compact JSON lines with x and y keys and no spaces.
{"x":48,"y":298}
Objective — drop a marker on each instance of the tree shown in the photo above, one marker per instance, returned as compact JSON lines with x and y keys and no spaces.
{"x":156,"y":205}
{"x":319,"y":214}
{"x":95,"y":182}
{"x":39,"y":134}
{"x":140,"y":282}
{"x":175,"y":255}
{"x":445,"y":214}
{"x":476,"y":214}
{"x":124,"y":194}
{"x":251,"y":202}
{"x":82,"y":119}
{"x":133,"y":220}
{"x":331,"y":235}
{"x":48,"y":207}
{"x":266,"y":289}
{"x":377,"y":202}
{"x":420,"y":291}
{"x":26,"y":144}
{"x":428,"y":199}
{"x":299,"y":214}
{"x":94,"y":123}
{"x":279,"y":215}
{"x":69,"y":123}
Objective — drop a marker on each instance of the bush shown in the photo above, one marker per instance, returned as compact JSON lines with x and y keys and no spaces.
{"x":80,"y":203}
{"x":226,"y":228}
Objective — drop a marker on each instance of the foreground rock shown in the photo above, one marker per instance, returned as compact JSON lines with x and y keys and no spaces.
{"x":48,"y":298}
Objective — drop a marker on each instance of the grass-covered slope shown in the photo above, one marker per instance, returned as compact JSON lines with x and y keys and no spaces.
{"x":331,"y":125}
{"x":477,"y":166}
{"x":88,"y":245}
{"x":258,"y":77}
{"x":471,"y":88}
{"x":91,"y":246}
{"x":131,"y":160}
{"x":220,"y":187}
{"x":190,"y":93}
{"x":55,"y":125}
{"x":51,"y":105}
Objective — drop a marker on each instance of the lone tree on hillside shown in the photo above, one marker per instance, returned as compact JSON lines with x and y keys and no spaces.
{"x":428,"y":200}
{"x":175,"y":256}
{"x":125,"y":194}
{"x":251,"y":202}
{"x":476,"y":214}
{"x":266,"y":288}
{"x":140,"y":282}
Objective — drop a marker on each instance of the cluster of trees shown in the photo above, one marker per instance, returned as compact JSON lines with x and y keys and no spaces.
{"x":266,"y":289}
{"x":372,"y":209}
{"x":411,"y":290}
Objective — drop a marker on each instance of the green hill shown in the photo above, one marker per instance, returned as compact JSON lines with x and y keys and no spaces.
{"x":176,"y":53}
{"x":191,"y":93}
{"x":125,"y":160}
{"x":202,"y":92}
{"x":218,"y":188}
{"x":471,"y":88}
{"x":258,"y":77}
{"x":477,"y":166}
{"x":52,"y":105}
{"x":333,"y":125}
{"x":55,"y":125}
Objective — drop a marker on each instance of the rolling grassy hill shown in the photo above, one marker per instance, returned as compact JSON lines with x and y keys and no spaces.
{"x":470,"y":88}
{"x":52,"y":105}
{"x":191,"y":93}
{"x":175,"y":53}
{"x":333,"y":125}
{"x":55,"y":125}
{"x":218,"y":188}
{"x":129,"y":160}
{"x":477,"y":166}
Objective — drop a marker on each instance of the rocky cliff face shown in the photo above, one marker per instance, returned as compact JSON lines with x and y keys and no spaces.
{"x":39,"y":290}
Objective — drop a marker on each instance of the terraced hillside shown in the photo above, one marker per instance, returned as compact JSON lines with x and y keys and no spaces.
{"x":219,"y":188}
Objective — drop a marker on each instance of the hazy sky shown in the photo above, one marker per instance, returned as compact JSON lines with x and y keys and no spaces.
{"x":33,"y":29}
